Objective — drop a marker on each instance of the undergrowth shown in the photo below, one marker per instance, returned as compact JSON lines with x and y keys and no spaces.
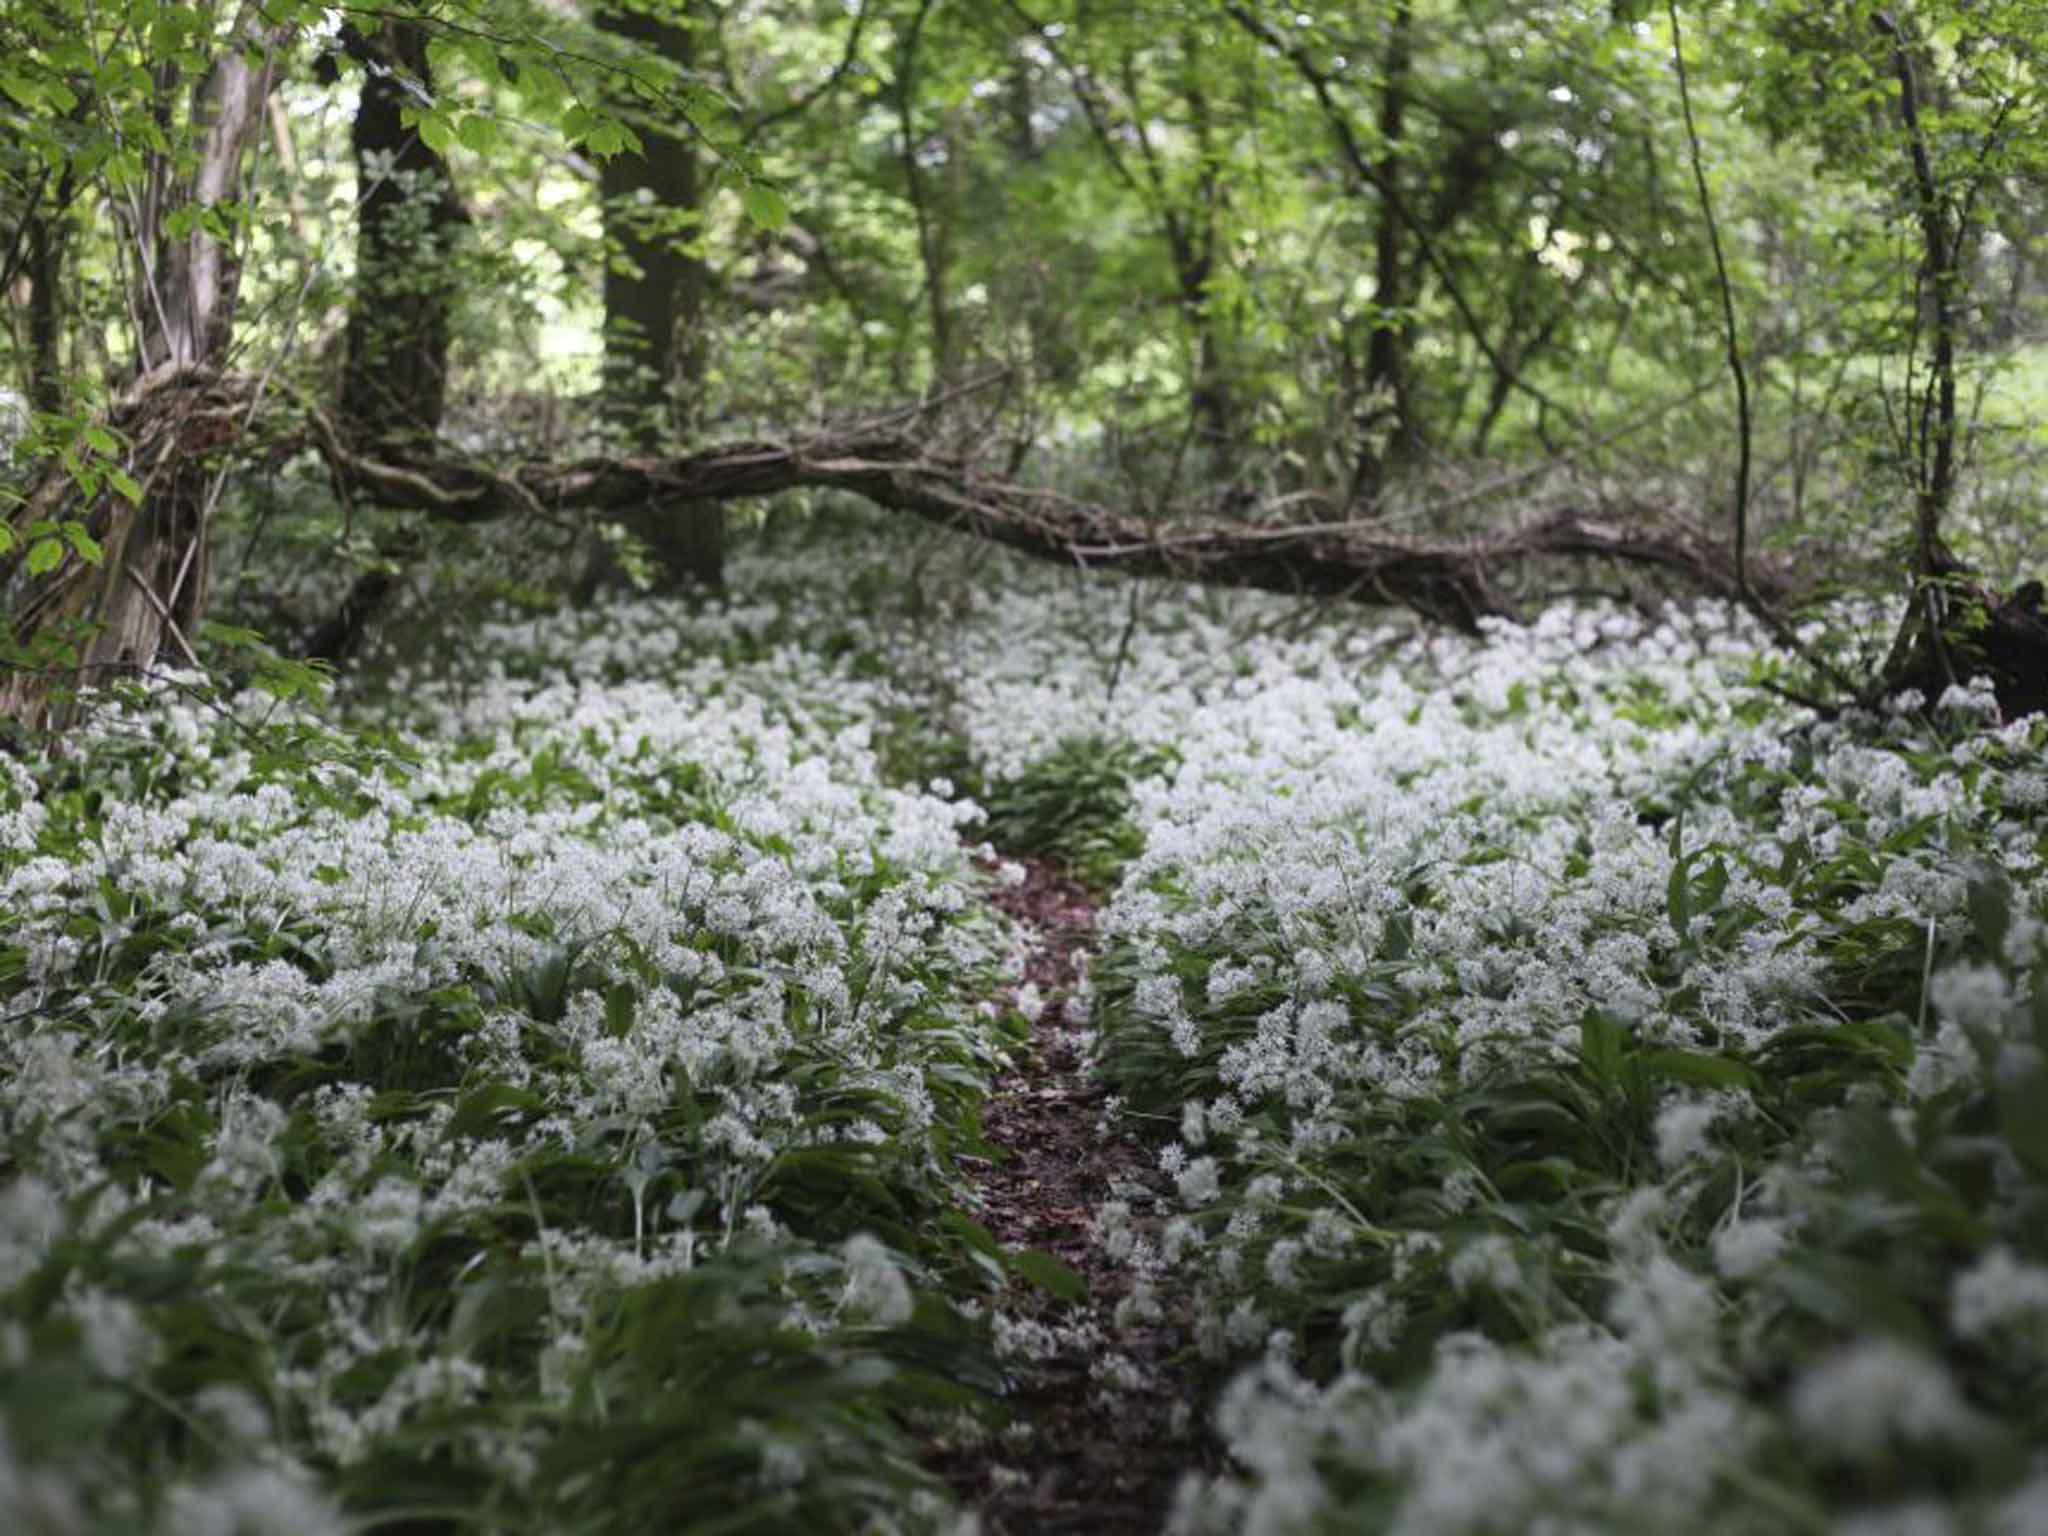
{"x":1595,"y":1096}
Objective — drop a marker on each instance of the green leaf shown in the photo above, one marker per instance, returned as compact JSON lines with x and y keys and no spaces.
{"x":478,"y":132}
{"x":485,"y":1109}
{"x":1047,"y":1273}
{"x":123,"y":482}
{"x":620,"y":1004}
{"x":1990,"y":901}
{"x":2023,"y":1116}
{"x":605,"y":139}
{"x":87,"y":546}
{"x":766,"y":207}
{"x":975,"y":1234}
{"x":22,"y":89}
{"x":1600,"y":1042}
{"x":44,"y":556}
{"x":436,"y":132}
{"x":100,"y":440}
{"x":1699,"y":1069}
{"x":1678,"y":898}
{"x":1848,"y":1294}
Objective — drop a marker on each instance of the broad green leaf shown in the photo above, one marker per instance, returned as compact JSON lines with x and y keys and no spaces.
{"x":84,"y":543}
{"x":1047,"y":1273}
{"x":1990,"y":900}
{"x":478,"y":132}
{"x":766,"y":207}
{"x":435,"y":132}
{"x":1698,"y":1069}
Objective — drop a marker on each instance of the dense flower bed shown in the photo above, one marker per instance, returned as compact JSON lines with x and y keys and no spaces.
{"x":1594,"y":1095}
{"x":558,"y":1130}
{"x":1597,"y":1096}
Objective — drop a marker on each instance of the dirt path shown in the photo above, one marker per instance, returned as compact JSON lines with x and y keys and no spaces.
{"x":1104,"y":1407}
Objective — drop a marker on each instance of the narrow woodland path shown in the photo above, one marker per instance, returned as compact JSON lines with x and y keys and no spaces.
{"x":1106,"y":1408}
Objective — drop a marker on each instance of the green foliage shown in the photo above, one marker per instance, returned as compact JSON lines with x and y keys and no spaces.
{"x":1073,"y":806}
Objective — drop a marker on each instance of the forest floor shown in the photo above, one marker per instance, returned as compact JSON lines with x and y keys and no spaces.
{"x":1100,"y":1420}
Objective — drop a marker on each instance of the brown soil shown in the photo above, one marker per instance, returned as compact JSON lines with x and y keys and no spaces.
{"x":1097,"y":1459}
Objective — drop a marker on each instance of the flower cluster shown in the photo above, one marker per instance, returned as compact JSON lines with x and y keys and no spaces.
{"x":637,"y":1015}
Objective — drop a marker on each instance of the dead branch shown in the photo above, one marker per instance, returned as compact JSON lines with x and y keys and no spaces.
{"x":1298,"y":545}
{"x":1458,"y":580}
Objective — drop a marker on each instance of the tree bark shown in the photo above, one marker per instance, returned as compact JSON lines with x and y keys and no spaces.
{"x":43,"y":266}
{"x":408,"y":219}
{"x":655,"y":288}
{"x":1386,"y":352}
{"x":1934,"y":648}
{"x":1935,"y":455}
{"x":934,"y":246}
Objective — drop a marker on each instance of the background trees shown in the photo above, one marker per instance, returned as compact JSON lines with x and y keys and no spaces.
{"x":1422,"y":268}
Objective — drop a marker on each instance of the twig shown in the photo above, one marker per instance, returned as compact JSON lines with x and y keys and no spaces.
{"x":1735,"y":368}
{"x":164,"y":613}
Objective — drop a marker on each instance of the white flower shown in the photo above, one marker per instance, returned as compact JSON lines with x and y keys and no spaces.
{"x":1875,"y":1393}
{"x":876,"y":1290}
{"x":2025,"y":1512}
{"x":1199,"y":1183}
{"x":1682,"y":1127}
{"x":1281,"y":1259}
{"x":388,"y":1218}
{"x":1920,"y":1518}
{"x":1487,"y":1261}
{"x":1971,"y":996}
{"x":1745,"y":1249}
{"x":1996,"y":1292}
{"x":1372,"y":1324}
{"x":117,"y":1341}
{"x":251,"y":1501}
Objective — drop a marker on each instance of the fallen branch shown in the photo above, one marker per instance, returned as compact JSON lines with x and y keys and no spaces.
{"x":1453,"y":579}
{"x":1298,"y":545}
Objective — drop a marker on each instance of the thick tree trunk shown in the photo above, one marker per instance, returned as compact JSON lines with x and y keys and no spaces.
{"x":655,"y":286}
{"x":409,"y":220}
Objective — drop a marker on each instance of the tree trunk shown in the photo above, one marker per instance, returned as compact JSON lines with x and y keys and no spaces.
{"x":655,"y":286}
{"x":394,"y":381}
{"x":44,"y":269}
{"x":1934,"y":648}
{"x":150,"y":590}
{"x":1386,"y":351}
{"x":408,"y":219}
{"x":933,"y":232}
{"x":1195,"y":251}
